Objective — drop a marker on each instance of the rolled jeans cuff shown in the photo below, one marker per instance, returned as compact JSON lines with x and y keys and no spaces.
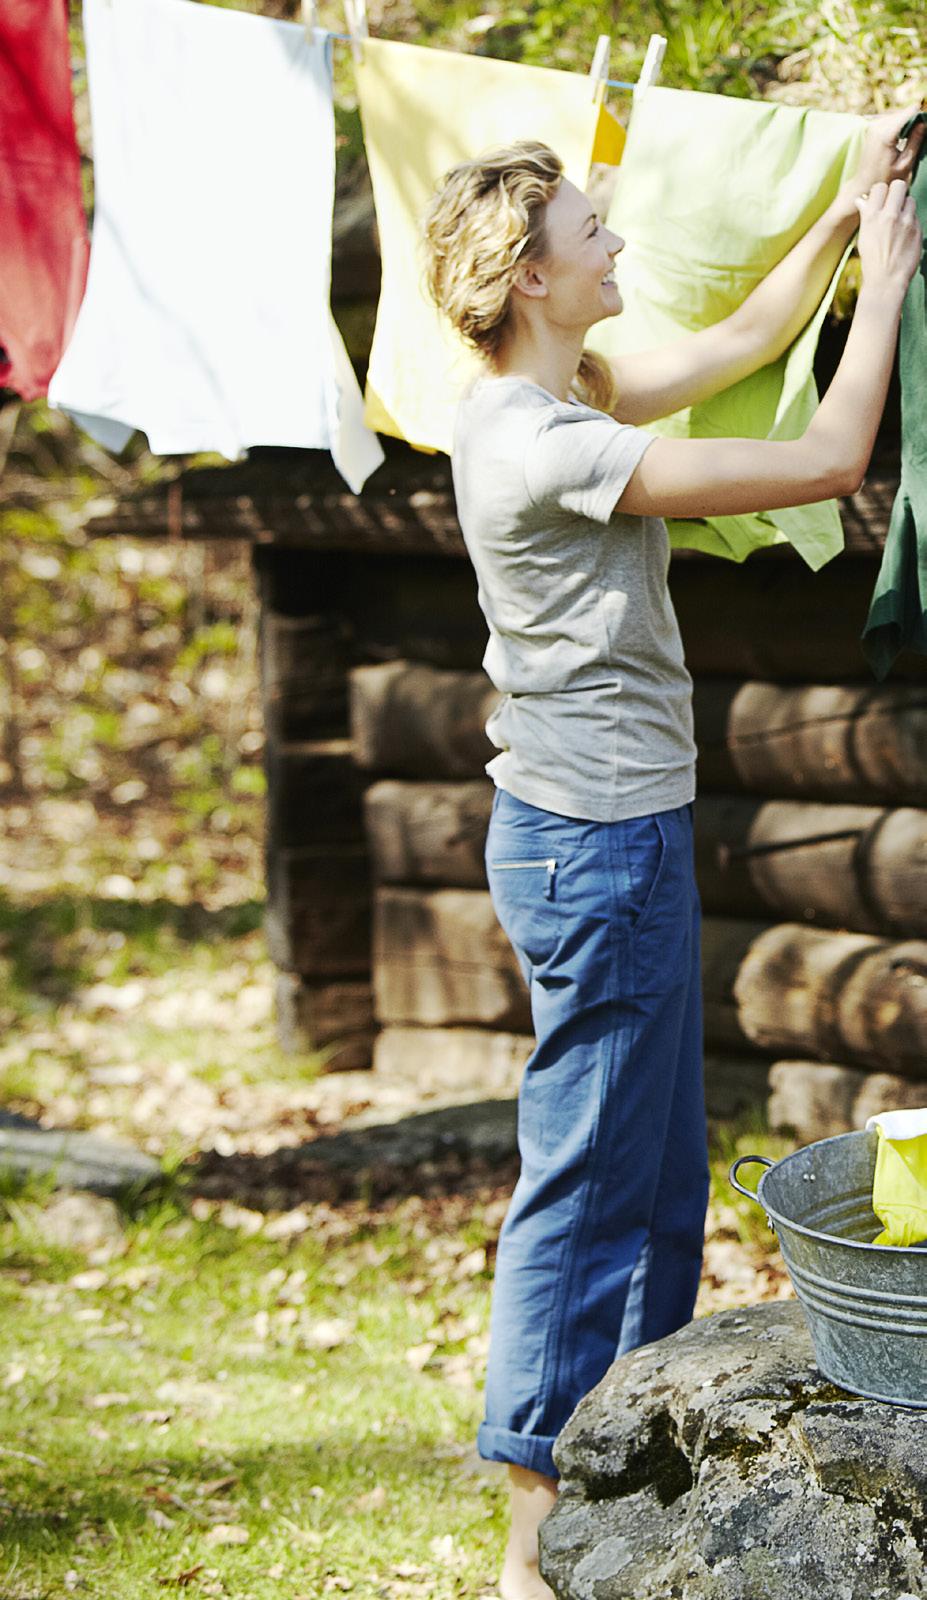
{"x":518,"y":1449}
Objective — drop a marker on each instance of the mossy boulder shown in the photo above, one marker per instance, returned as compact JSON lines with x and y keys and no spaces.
{"x":719,"y":1463}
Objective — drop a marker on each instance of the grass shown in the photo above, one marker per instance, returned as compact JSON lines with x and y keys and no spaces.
{"x":314,"y":1399}
{"x":215,"y":1403}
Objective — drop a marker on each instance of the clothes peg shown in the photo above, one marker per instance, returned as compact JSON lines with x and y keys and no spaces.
{"x":356,"y":13}
{"x":310,"y":15}
{"x":653,"y":61}
{"x":598,"y":72}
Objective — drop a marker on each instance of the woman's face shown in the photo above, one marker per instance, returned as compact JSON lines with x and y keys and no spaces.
{"x":578,"y":273}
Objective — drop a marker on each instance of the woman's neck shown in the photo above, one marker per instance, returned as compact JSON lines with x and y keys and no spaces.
{"x":550,"y":362}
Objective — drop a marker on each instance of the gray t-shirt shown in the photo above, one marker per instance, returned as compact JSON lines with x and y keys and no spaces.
{"x":583,"y":641}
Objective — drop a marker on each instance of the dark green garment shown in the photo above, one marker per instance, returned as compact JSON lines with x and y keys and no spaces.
{"x":897,"y":617}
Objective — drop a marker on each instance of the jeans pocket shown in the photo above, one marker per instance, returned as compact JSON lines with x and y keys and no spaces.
{"x":646,"y":849}
{"x":524,"y":894}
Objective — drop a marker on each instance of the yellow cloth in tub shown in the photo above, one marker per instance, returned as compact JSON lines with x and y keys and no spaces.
{"x":899,"y":1186}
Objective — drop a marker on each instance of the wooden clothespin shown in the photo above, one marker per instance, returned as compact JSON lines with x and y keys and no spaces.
{"x":356,"y":13}
{"x":653,"y":61}
{"x":598,"y":72}
{"x":310,"y":14}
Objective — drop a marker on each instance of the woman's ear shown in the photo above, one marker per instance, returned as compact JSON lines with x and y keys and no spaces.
{"x":530,"y":281}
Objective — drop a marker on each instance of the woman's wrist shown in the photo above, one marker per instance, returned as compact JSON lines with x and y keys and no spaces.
{"x":843,"y":208}
{"x":885,"y":291}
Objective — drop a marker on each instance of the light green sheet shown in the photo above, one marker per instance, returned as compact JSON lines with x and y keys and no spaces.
{"x":711,"y":193}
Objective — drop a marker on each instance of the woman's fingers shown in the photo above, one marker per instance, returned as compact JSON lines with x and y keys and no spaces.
{"x":912,"y":149}
{"x":896,"y":196}
{"x":881,"y":157}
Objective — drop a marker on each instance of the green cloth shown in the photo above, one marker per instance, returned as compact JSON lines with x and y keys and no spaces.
{"x":898,"y":611}
{"x":712,"y":193}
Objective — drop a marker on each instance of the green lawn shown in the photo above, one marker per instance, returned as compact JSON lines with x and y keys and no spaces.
{"x":208,"y":1408}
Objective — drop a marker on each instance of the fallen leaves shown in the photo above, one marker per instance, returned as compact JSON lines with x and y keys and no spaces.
{"x":227,"y":1533}
{"x":328,"y":1333}
{"x":182,"y":1578}
{"x":418,"y":1355}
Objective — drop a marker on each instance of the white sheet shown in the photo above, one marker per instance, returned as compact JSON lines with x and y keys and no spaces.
{"x":206,"y":321}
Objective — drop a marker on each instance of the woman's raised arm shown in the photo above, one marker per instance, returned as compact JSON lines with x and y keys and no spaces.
{"x":654,"y":383}
{"x":718,"y":477}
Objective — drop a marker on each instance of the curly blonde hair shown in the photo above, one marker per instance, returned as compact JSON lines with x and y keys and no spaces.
{"x":487,"y":217}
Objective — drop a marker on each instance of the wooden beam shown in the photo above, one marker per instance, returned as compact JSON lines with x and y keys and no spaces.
{"x":318,"y":910}
{"x":314,"y":794}
{"x":428,"y":833}
{"x":820,"y":1099}
{"x":483,"y":1063}
{"x":440,"y":959}
{"x":407,"y":507}
{"x":775,"y":619}
{"x":414,"y":721}
{"x":841,"y":866}
{"x":329,"y":1017}
{"x":835,"y":996}
{"x":817,"y":741}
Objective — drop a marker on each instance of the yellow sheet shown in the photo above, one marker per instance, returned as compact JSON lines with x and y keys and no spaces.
{"x":711,"y":193}
{"x":423,"y":110}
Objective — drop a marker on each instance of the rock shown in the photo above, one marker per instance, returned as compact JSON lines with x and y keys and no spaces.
{"x":77,"y":1160}
{"x":81,"y":1222}
{"x":718,"y":1464}
{"x":484,"y":1129}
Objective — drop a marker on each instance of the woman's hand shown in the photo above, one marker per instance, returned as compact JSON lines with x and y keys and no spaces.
{"x":890,"y":238}
{"x":881,"y":160}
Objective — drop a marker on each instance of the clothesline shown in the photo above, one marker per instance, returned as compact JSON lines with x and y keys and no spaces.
{"x":611,"y":83}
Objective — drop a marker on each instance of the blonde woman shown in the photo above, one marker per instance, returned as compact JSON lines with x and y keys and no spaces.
{"x":589,"y":856}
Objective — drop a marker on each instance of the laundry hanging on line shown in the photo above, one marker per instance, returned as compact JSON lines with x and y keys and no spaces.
{"x":43,"y":232}
{"x":206,"y":321}
{"x":423,"y":110}
{"x":897,"y":617}
{"x":712,"y":192}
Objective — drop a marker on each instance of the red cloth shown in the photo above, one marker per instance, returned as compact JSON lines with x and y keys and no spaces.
{"x":43,"y":231}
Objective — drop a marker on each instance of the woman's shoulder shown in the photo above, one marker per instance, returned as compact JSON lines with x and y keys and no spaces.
{"x":511,"y":410}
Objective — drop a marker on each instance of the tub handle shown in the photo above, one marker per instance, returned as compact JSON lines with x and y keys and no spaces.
{"x":743,"y":1161}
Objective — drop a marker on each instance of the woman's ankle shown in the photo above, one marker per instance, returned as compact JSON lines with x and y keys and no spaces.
{"x":532,"y":1496}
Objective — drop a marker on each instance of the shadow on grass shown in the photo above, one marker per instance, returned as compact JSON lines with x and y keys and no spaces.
{"x":51,"y":1509}
{"x":42,"y":946}
{"x":449,"y":1150}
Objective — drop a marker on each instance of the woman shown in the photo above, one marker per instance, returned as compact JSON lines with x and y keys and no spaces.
{"x":589,"y":853}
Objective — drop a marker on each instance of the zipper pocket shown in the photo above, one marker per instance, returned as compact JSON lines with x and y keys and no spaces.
{"x":549,"y":865}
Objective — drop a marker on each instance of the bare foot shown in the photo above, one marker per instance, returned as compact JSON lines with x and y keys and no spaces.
{"x":532,"y":1496}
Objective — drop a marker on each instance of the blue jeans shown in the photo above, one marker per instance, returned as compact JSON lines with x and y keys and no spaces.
{"x":601,"y":1249}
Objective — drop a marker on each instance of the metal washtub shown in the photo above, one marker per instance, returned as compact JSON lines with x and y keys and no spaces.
{"x":865,"y":1303}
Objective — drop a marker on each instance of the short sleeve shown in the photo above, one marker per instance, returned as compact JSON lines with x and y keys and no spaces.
{"x":581,"y":460}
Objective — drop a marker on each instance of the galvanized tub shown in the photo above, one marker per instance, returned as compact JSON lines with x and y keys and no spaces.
{"x":865,"y":1303}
